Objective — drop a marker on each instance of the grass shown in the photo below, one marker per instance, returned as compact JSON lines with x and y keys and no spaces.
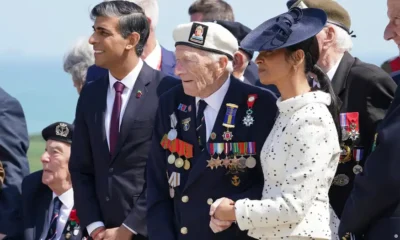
{"x":35,"y":151}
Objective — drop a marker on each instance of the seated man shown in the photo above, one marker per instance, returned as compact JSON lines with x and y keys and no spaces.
{"x":47,"y":195}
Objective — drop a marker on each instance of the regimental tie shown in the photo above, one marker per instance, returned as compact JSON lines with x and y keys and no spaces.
{"x":114,"y":124}
{"x":201,"y":124}
{"x":52,"y":232}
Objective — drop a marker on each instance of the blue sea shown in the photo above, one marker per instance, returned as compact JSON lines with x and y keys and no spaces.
{"x":44,"y":90}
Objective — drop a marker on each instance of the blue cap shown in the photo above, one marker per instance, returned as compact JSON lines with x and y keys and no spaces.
{"x":285,"y":30}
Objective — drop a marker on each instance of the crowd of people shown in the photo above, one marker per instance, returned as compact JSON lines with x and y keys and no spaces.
{"x":204,"y":142}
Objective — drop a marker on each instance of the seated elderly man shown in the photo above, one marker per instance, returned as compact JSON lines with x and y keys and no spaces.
{"x":211,"y":129}
{"x":77,"y":61}
{"x":48,"y":197}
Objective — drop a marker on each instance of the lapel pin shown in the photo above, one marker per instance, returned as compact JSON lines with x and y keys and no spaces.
{"x":139,"y":94}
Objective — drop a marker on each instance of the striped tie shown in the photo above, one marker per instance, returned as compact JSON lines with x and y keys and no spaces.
{"x":201,"y":124}
{"x":52,"y":233}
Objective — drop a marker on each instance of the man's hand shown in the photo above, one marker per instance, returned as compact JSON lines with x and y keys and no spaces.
{"x":124,"y":233}
{"x":2,"y":236}
{"x":96,"y":233}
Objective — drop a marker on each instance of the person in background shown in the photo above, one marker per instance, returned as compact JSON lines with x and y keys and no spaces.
{"x":365,"y":91}
{"x":156,"y":56}
{"x":214,"y":10}
{"x":392,"y":67}
{"x":14,"y":143}
{"x":48,"y":197}
{"x":201,"y":126}
{"x":372,"y":211}
{"x":77,"y":61}
{"x":300,"y":156}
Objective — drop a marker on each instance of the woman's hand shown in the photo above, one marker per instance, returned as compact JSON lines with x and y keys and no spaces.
{"x":224,"y":210}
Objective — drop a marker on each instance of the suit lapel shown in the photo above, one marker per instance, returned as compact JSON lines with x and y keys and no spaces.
{"x":100,"y":117}
{"x":134,"y":103}
{"x":339,"y":80}
{"x":200,"y":164}
{"x":42,"y":211}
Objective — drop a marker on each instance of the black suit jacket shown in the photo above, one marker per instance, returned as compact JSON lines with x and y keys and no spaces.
{"x":167,"y":216}
{"x":373,"y":208}
{"x":110,"y":188}
{"x":36,"y":201}
{"x":14,"y":143}
{"x":368,"y":90}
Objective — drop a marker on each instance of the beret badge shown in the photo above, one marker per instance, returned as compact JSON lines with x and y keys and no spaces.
{"x":62,"y":130}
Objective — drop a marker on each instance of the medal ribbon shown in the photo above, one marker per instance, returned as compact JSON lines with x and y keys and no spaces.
{"x":174,"y":121}
{"x":353,"y":118}
{"x":241,"y":148}
{"x":172,"y":146}
{"x":250,"y":104}
{"x":343,"y":120}
{"x":165,"y":142}
{"x":235,"y":148}
{"x":188,"y":150}
{"x":358,"y":154}
{"x":251,"y":146}
{"x":181,"y":148}
{"x":220,"y":148}
{"x":211,"y":149}
{"x":230,"y":115}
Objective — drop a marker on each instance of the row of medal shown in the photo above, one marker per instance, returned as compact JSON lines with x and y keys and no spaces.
{"x":350,"y":126}
{"x":183,"y":150}
{"x":357,"y":154}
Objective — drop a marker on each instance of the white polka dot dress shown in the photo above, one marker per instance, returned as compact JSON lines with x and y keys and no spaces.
{"x":299,"y":160}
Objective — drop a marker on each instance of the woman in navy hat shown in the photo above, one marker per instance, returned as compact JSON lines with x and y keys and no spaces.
{"x":301,"y":154}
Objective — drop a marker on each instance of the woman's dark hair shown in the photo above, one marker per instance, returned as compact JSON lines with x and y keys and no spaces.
{"x":311,"y":51}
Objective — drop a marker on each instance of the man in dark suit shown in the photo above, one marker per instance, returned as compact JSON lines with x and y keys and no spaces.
{"x":201,"y":131}
{"x":14,"y":143}
{"x":372,"y":212}
{"x":113,"y":126}
{"x":365,"y":90}
{"x":155,"y":55}
{"x":48,"y":197}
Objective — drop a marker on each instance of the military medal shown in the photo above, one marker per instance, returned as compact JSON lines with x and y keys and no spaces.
{"x":358,"y":154}
{"x":172,"y":134}
{"x":172,"y":148}
{"x":188,"y":155}
{"x":211,"y":150}
{"x":227,"y":148}
{"x":242,"y":160}
{"x":180,"y":150}
{"x":213,"y":136}
{"x":251,"y":161}
{"x":182,"y":107}
{"x":353,"y":125}
{"x":235,"y":181}
{"x":186,"y":124}
{"x":341,"y":180}
{"x":174,"y":181}
{"x":220,"y":149}
{"x":345,"y":154}
{"x":229,"y":120}
{"x":343,"y":124}
{"x":248,"y":120}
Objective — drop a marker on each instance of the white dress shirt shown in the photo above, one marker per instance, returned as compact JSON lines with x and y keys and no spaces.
{"x":299,"y":160}
{"x":154,"y":59}
{"x":214,"y":102}
{"x":67,"y":201}
{"x":129,"y":82}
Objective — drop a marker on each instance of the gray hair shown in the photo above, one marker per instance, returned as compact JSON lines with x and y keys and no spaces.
{"x":131,"y":19}
{"x":78,"y":59}
{"x":215,"y":58}
{"x":150,"y":8}
{"x":343,"y":40}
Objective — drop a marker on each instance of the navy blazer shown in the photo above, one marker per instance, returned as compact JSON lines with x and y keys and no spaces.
{"x":168,"y":218}
{"x":36,"y":201}
{"x":167,"y":66}
{"x":109,"y":188}
{"x":14,"y":142}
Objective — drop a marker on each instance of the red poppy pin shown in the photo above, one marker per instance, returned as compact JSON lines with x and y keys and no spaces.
{"x":139,"y":94}
{"x":73,"y":218}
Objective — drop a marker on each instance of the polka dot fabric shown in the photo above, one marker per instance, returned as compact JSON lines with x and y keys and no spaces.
{"x":299,"y":160}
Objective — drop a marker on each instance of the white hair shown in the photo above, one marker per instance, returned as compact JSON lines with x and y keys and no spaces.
{"x":215,"y":57}
{"x":343,"y":39}
{"x":150,"y":8}
{"x":78,"y":59}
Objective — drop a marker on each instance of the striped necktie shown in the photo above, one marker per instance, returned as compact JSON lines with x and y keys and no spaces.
{"x":52,"y":232}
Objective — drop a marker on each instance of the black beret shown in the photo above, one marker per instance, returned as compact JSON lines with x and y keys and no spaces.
{"x":238,"y":30}
{"x":59,"y":131}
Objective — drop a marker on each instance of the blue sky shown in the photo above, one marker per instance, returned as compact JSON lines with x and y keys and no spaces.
{"x":46,"y":28}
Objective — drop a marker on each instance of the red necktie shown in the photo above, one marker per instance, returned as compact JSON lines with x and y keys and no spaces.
{"x":114,"y":124}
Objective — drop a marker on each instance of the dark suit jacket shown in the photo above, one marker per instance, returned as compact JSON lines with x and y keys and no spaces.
{"x":36,"y":201}
{"x":373,"y":208}
{"x":167,"y":66}
{"x":166,"y":215}
{"x":368,"y":90}
{"x":109,"y":188}
{"x":14,"y":143}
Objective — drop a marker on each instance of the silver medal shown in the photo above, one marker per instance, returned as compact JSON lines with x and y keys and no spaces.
{"x":172,"y":134}
{"x":171,"y":159}
{"x":171,"y":192}
{"x":345,"y":135}
{"x":251,"y":162}
{"x":357,"y":169}
{"x":248,"y":120}
{"x":341,"y":180}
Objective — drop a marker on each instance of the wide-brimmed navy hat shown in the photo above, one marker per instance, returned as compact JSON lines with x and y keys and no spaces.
{"x":285,"y":30}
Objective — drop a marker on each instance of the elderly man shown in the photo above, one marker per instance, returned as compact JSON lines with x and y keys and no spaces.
{"x":114,"y":124}
{"x":156,"y":56}
{"x":14,"y":142}
{"x":373,"y":208}
{"x":207,"y":140}
{"x":48,"y":197}
{"x":77,"y":61}
{"x":365,"y":90}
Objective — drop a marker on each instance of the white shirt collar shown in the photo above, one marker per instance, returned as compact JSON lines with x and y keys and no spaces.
{"x":154,"y":58}
{"x":332,"y":71}
{"x":130,"y":79}
{"x":215,"y":100}
{"x":66,"y":198}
